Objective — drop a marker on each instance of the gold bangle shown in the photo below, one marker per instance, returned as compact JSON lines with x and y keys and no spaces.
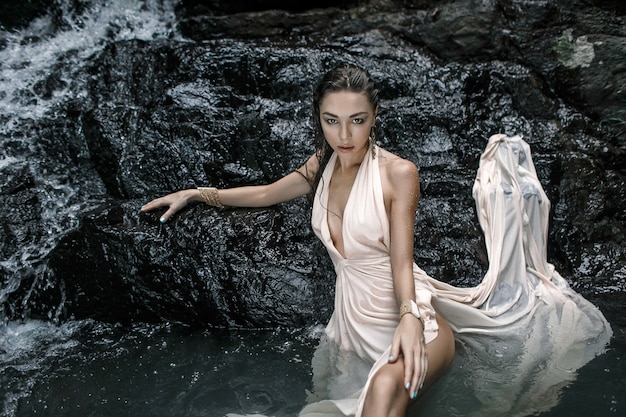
{"x":210,"y":196}
{"x":410,"y":307}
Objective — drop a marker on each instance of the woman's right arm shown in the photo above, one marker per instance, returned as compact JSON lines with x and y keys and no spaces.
{"x":287,"y":188}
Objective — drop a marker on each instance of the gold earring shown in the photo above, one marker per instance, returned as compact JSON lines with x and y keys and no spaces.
{"x":372,"y":140}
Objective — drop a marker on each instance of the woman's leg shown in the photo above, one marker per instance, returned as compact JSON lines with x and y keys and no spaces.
{"x":387,"y":395}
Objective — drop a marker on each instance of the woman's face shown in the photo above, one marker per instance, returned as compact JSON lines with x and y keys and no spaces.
{"x":347,"y":119}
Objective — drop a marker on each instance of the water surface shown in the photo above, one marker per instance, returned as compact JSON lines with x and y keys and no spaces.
{"x":86,"y":368}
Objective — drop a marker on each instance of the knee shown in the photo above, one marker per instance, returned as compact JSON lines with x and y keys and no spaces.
{"x":385,"y":394}
{"x":386,"y":383}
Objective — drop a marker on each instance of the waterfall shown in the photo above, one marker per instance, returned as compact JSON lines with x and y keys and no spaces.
{"x":41,"y":70}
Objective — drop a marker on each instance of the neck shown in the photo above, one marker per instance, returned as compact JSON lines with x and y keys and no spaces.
{"x":349,"y":162}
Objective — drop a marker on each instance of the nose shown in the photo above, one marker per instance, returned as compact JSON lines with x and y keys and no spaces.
{"x":344,"y":132}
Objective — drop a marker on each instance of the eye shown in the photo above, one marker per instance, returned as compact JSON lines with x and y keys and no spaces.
{"x":357,"y":121}
{"x":331,"y":121}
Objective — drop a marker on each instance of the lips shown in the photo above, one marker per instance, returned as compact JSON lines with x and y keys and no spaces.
{"x":345,"y":148}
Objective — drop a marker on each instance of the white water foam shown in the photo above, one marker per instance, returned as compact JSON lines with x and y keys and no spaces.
{"x":30,"y":54}
{"x":41,"y":68}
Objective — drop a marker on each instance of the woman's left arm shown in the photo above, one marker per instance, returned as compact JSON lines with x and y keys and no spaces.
{"x":401,"y":187}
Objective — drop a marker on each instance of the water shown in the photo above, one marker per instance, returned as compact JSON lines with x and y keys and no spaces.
{"x":28,"y":95}
{"x":88,"y":368}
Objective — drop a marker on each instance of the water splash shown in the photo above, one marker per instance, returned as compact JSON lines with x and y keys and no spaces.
{"x":41,"y":69}
{"x":30,"y":54}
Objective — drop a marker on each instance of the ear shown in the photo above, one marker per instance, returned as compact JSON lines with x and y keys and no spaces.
{"x":375,"y":114}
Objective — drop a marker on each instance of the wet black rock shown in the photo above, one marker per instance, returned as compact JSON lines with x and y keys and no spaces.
{"x":230,"y":105}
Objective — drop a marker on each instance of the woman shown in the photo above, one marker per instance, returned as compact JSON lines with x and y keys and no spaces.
{"x":385,"y":326}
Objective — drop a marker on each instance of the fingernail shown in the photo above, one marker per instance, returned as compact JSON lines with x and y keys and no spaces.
{"x":414,"y":395}
{"x":162,"y":219}
{"x":390,"y":358}
{"x":408,"y":385}
{"x":421,"y":386}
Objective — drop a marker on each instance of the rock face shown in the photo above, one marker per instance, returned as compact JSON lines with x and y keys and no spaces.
{"x":229,"y":104}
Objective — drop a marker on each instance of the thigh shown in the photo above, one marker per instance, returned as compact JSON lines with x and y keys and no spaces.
{"x":440,"y":355}
{"x":387,"y":394}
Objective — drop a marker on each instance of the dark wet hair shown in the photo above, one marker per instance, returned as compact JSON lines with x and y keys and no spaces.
{"x":345,"y":77}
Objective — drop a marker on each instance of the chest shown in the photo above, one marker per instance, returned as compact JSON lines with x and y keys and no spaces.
{"x":339,"y":189}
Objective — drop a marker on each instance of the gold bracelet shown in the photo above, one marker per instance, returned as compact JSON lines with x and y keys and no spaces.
{"x":410,"y":307}
{"x":210,"y":196}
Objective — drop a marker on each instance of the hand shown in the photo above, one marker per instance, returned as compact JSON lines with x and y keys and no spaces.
{"x":175,"y":202}
{"x":409,"y":341}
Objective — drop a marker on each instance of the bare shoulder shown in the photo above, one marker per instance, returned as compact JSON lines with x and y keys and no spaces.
{"x":397,"y":171}
{"x":309,"y":168}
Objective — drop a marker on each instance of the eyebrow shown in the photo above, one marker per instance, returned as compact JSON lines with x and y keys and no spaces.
{"x":351,"y":116}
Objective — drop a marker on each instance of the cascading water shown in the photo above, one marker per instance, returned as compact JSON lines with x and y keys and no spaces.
{"x":33,"y":90}
{"x":50,"y":366}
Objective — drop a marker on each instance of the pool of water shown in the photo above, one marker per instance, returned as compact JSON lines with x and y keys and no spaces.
{"x":95,"y":369}
{"x":600,"y":388}
{"x":88,"y":368}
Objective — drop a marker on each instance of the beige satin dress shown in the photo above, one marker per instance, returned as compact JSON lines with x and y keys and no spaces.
{"x":522,"y":306}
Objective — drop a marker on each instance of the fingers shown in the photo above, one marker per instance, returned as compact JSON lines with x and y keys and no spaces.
{"x":154,"y":204}
{"x":174,"y":202}
{"x":412,"y":361}
{"x":415,"y":368}
{"x":410,"y":345}
{"x":173,"y":209}
{"x":419,"y":372}
{"x":410,"y":375}
{"x":424,"y":370}
{"x":395,"y":352}
{"x":166,"y":216}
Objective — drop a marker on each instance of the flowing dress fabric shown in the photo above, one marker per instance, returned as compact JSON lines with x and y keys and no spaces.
{"x":523,"y":309}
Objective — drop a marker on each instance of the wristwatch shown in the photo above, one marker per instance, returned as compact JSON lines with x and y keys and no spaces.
{"x":409,"y":306}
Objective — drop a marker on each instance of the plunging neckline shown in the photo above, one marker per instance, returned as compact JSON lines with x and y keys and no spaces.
{"x":332,"y":165}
